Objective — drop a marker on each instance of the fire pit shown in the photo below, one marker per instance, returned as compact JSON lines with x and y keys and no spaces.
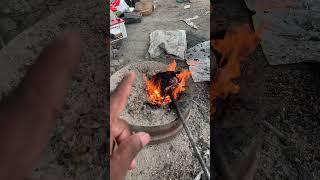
{"x":148,"y":107}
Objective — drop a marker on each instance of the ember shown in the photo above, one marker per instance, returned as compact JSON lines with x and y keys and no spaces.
{"x":161,"y":85}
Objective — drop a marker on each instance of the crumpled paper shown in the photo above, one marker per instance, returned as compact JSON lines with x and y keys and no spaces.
{"x":198,"y":59}
{"x":170,"y":42}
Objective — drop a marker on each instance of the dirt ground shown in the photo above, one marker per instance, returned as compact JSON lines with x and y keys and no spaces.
{"x":74,"y":150}
{"x":172,"y":160}
{"x":286,"y":96}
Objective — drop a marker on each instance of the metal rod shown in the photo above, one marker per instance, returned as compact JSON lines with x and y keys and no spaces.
{"x":191,"y":139}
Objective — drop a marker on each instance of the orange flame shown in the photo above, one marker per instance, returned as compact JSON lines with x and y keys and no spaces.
{"x":182,"y":77}
{"x":153,"y":87}
{"x":154,"y":93}
{"x":172,"y":66}
{"x":235,"y":46}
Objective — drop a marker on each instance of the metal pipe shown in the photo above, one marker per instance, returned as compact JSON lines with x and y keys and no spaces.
{"x":191,"y":139}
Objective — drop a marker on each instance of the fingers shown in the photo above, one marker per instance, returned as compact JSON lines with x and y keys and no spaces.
{"x":48,"y":79}
{"x":32,"y":109}
{"x":119,"y":97}
{"x":133,"y":164}
{"x":65,"y":51}
{"x":120,"y":130}
{"x":126,"y":152}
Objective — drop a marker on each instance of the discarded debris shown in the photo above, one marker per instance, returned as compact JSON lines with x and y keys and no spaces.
{"x":131,"y":3}
{"x":198,"y":177}
{"x":132,"y":17}
{"x":131,"y":9}
{"x":170,"y":42}
{"x":198,"y":59}
{"x":144,"y":7}
{"x":118,"y":7}
{"x":190,"y":23}
{"x":117,"y":30}
{"x":187,"y":6}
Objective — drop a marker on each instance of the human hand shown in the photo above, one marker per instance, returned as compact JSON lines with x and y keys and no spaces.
{"x":122,"y":158}
{"x":28,"y":116}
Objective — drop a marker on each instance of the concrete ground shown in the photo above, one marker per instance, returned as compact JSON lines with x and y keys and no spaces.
{"x":175,"y":159}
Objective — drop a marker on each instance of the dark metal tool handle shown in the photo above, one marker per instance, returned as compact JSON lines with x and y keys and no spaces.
{"x":191,"y":139}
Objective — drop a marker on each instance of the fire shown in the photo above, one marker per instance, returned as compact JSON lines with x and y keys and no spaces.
{"x":235,"y":46}
{"x":159,"y":95}
{"x":172,"y":66}
{"x":183,"y":77}
{"x":154,"y":93}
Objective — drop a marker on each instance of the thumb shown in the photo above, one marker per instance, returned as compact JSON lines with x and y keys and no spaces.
{"x":127,"y":150}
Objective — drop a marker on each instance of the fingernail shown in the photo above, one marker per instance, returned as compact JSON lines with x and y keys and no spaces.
{"x":133,"y":165}
{"x":144,"y":138}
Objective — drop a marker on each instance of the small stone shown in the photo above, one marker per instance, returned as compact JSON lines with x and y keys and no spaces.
{"x":115,"y":63}
{"x":187,"y":6}
{"x":114,"y":53}
{"x":112,"y":70}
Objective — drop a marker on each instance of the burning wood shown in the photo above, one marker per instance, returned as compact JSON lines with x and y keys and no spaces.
{"x":235,"y":46}
{"x":161,"y":85}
